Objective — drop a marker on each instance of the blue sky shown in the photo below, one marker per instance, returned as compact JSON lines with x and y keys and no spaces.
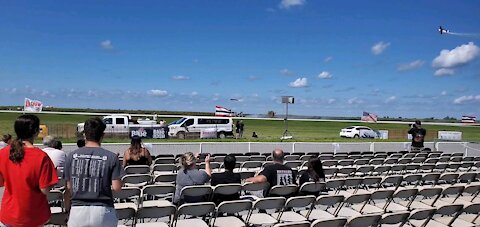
{"x":337,"y":58}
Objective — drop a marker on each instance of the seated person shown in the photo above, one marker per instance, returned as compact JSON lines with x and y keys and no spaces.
{"x":227,"y":177}
{"x":314,"y":172}
{"x":136,"y":154}
{"x":276,"y":173}
{"x":189,"y":175}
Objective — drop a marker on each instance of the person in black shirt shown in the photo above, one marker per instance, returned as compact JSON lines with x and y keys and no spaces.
{"x":276,"y":173}
{"x":314,"y":172}
{"x":227,"y":177}
{"x":418,"y":136}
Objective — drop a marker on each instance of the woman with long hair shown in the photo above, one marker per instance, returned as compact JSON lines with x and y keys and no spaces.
{"x":314,"y":172}
{"x":27,"y":173}
{"x":136,"y":154}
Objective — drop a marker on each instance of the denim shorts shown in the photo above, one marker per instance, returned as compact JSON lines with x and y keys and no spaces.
{"x":83,"y":216}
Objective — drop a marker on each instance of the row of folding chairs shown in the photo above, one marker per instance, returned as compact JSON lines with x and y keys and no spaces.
{"x":370,"y":170}
{"x":389,"y":161}
{"x":297,"y":211}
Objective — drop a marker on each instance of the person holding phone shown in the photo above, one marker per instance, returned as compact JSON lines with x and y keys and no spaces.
{"x":418,"y":136}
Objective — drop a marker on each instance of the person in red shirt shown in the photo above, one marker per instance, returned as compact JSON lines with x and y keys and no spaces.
{"x":27,"y":173}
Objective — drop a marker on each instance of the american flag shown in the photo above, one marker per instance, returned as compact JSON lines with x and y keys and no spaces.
{"x":369,"y":117}
{"x":223,"y":112}
{"x":469,"y":119}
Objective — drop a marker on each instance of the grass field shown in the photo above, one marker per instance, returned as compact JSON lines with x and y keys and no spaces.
{"x":267,"y":130}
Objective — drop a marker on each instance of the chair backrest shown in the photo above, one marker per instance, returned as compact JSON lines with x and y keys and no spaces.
{"x":136,"y":179}
{"x":157,"y":212}
{"x":196,"y":209}
{"x":137,"y":169}
{"x":196,"y":191}
{"x":283,"y":190}
{"x":293,"y":224}
{"x":269,"y":203}
{"x":164,"y":160}
{"x":331,"y":222}
{"x":300,"y":201}
{"x":165,"y":178}
{"x":422,"y":214}
{"x":357,"y":198}
{"x":364,"y":220}
{"x":312,"y":187}
{"x":246,"y":174}
{"x":334,"y":184}
{"x":127,"y":192}
{"x":234,"y":206}
{"x":54,"y":196}
{"x":158,"y":190}
{"x":164,"y":168}
{"x":227,"y":189}
{"x":293,"y":164}
{"x":395,"y":218}
{"x":472,"y":209}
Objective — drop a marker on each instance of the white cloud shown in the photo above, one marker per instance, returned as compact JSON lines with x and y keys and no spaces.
{"x":270,"y":10}
{"x":180,"y":78}
{"x":286,"y":72}
{"x":106,"y":45}
{"x":354,"y":100}
{"x":411,"y":65}
{"x":379,"y":47}
{"x":459,"y":56}
{"x":298,"y":83}
{"x":390,"y":99}
{"x":252,"y":78}
{"x":466,"y":99}
{"x":444,"y":93}
{"x":444,"y":72}
{"x":158,"y":93}
{"x":194,"y":93}
{"x":325,"y":75}
{"x":327,"y":59}
{"x":287,"y":4}
{"x":331,"y":101}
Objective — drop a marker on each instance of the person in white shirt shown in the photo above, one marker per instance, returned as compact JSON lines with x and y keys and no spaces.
{"x":54,"y":151}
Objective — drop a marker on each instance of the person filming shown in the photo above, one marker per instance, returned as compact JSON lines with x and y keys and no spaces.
{"x":418,"y":136}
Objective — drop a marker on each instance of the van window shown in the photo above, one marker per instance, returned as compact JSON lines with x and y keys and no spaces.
{"x":217,"y":121}
{"x":119,"y":121}
{"x":189,"y":122}
{"x":107,"y":121}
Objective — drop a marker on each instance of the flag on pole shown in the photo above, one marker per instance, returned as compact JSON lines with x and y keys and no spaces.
{"x":369,"y":117}
{"x":223,"y":112}
{"x":32,"y":105}
{"x":469,"y":119}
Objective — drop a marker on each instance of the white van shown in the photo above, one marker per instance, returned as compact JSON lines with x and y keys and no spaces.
{"x":194,"y":125}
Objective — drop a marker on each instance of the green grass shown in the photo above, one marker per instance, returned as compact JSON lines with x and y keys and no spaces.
{"x":267,"y":130}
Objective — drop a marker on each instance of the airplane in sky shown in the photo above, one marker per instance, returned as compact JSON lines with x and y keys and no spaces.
{"x":442,"y":30}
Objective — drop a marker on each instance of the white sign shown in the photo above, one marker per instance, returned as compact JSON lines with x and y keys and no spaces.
{"x":208,"y":133}
{"x":383,"y":134}
{"x":450,"y":135}
{"x":32,"y":105}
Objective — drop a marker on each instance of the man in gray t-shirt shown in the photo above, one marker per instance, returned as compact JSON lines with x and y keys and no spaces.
{"x":91,"y":173}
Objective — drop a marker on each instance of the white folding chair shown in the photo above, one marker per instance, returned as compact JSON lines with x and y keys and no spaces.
{"x":292,"y":208}
{"x":364,"y":220}
{"x":136,"y":180}
{"x":232,"y":210}
{"x":257,"y":218}
{"x":193,"y":214}
{"x":155,"y":212}
{"x":195,"y":193}
{"x":157,"y":195}
{"x":397,"y":218}
{"x":332,"y":222}
{"x":324,"y":207}
{"x":293,"y":224}
{"x":420,"y":217}
{"x":353,"y":205}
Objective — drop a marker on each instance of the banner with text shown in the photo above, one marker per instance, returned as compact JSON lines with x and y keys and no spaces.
{"x":32,"y":105}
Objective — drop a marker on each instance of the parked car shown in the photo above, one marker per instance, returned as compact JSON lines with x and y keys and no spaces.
{"x":359,"y":132}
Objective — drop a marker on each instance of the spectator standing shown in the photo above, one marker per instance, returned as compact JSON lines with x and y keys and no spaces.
{"x":239,"y":129}
{"x":91,"y":173}
{"x":227,"y":177}
{"x":189,"y":175}
{"x":276,"y":173}
{"x":54,"y":151}
{"x":27,"y":174}
{"x":136,"y":154}
{"x":418,"y":136}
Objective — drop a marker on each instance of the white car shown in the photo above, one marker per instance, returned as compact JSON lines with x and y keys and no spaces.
{"x":359,"y":132}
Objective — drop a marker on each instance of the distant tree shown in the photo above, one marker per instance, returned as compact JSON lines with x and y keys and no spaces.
{"x":271,"y":114}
